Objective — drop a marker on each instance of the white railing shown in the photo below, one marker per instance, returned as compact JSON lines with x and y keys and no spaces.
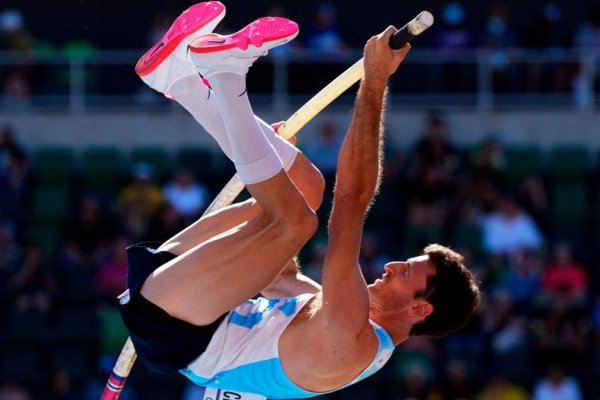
{"x":75,"y":93}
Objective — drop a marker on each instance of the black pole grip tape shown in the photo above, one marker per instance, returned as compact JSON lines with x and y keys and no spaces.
{"x":400,"y":38}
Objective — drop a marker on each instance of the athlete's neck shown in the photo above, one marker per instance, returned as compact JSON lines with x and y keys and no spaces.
{"x":393,"y":325}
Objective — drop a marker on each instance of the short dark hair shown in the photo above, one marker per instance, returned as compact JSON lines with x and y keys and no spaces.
{"x":452,"y":291}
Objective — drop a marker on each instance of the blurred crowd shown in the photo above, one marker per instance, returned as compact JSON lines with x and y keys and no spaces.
{"x":326,"y":31}
{"x":536,"y":335}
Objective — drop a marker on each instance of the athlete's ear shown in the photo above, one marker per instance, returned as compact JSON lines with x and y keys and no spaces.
{"x":420,"y":309}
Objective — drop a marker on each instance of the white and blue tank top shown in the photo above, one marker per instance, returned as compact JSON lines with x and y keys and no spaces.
{"x":243,"y":354}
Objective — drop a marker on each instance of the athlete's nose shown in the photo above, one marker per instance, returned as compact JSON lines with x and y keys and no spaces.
{"x":393,"y":267}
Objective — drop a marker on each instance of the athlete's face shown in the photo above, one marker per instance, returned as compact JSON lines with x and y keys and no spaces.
{"x":401,"y":282}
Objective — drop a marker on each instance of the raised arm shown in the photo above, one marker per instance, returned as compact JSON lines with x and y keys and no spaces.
{"x":345,"y":295}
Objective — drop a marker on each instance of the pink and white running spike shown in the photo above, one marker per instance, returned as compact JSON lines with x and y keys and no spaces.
{"x":158,"y":68}
{"x":213,"y":53}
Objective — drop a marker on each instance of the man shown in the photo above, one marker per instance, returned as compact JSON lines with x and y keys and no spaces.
{"x":187,"y":306}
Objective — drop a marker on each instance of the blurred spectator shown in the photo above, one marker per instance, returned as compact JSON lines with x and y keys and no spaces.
{"x":434,"y":148}
{"x":509,"y":340}
{"x":10,"y":249}
{"x":32,"y":286}
{"x":14,"y":176}
{"x":560,"y":335}
{"x":457,"y":383}
{"x":323,"y":34}
{"x":138,"y":201}
{"x":10,"y":255}
{"x":430,"y":186}
{"x":548,"y":30}
{"x":430,"y":194}
{"x":13,"y":35}
{"x":564,"y":276}
{"x":111,"y":278}
{"x":500,"y":388}
{"x":8,"y":143}
{"x":17,"y":92}
{"x":532,"y":195}
{"x":498,"y":38}
{"x":86,"y":235}
{"x":588,"y":33}
{"x":557,"y":386}
{"x":13,"y":391}
{"x":509,"y":229}
{"x":488,"y":161}
{"x":453,"y":34}
{"x":522,"y":280}
{"x":164,"y":223}
{"x":487,"y":167}
{"x":60,"y":388}
{"x":497,"y":312}
{"x":186,"y":195}
{"x":414,"y":385}
{"x":507,"y":331}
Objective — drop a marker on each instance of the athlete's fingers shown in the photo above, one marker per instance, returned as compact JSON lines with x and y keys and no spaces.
{"x":277,"y":125}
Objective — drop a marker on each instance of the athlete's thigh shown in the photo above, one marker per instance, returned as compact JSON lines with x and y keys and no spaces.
{"x":210,"y":226}
{"x":217,"y":275}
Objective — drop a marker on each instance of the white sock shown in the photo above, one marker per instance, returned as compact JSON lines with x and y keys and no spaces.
{"x":254,"y":157}
{"x":200,"y":101}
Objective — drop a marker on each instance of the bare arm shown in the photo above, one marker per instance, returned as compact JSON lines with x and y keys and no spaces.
{"x":345,"y":295}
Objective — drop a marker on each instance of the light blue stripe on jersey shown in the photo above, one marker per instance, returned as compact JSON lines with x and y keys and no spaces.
{"x":386,"y":348}
{"x":265,"y":378}
{"x":288,"y":308}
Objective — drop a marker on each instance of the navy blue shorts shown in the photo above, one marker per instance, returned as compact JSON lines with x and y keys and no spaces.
{"x":163,"y":343}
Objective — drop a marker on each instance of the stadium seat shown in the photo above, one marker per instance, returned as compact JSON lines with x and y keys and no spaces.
{"x":157,"y":157}
{"x":522,"y":162}
{"x":569,"y":162}
{"x":50,"y":205}
{"x":102,"y":167}
{"x":48,"y":236}
{"x":54,"y":166}
{"x":569,"y":204}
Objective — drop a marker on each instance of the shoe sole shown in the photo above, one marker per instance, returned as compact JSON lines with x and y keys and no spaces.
{"x":260,"y":33}
{"x":198,"y":16}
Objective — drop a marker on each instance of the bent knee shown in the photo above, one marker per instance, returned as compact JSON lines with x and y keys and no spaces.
{"x":301,"y":222}
{"x":309,"y":181}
